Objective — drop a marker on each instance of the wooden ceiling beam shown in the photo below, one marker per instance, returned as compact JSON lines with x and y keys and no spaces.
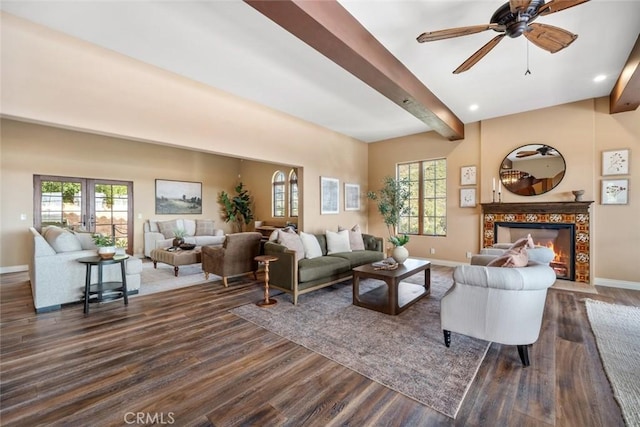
{"x":625,"y":95}
{"x":331,"y":30}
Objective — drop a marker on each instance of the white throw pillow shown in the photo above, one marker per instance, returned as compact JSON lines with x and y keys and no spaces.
{"x":337,"y":242}
{"x":62,"y":240}
{"x":86,"y":239}
{"x":311,"y":245}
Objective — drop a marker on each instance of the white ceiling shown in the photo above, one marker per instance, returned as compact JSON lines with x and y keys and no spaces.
{"x":231,"y":46}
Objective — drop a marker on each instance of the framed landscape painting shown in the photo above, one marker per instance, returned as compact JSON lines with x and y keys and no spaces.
{"x":178,"y":197}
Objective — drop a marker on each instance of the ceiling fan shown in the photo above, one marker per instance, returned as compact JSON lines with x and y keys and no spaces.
{"x":545,"y":150}
{"x":514,"y":19}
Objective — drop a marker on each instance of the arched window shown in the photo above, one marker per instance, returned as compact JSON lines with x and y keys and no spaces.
{"x":278,"y":193}
{"x":293,"y":193}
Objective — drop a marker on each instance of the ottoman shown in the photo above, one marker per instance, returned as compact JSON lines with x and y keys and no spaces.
{"x":176,"y":258}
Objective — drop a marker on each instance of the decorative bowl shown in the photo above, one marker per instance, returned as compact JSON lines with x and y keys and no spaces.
{"x":187,"y":246}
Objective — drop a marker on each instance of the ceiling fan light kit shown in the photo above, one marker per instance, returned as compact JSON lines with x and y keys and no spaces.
{"x":513,"y":19}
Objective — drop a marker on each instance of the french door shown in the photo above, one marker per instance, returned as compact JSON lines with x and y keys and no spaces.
{"x":99,"y":206}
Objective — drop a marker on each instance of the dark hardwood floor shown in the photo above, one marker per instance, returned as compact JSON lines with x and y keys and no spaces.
{"x":181,"y":358}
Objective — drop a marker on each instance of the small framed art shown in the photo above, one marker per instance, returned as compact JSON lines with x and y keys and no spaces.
{"x":329,"y":195}
{"x":615,"y":162}
{"x":467,"y":197}
{"x":468,"y":175}
{"x":351,"y":197}
{"x":615,"y":192}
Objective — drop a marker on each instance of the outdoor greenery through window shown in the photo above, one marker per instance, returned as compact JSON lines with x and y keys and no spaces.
{"x":428,"y":197}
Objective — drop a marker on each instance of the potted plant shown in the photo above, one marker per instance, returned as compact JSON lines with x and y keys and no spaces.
{"x":237,"y":209}
{"x":106,"y":245}
{"x":179,"y":235}
{"x":393,"y":203}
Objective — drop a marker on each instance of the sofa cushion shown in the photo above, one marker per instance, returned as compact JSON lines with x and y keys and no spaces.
{"x":204,"y":227}
{"x":291,"y":241}
{"x":337,"y":242}
{"x":311,"y":246}
{"x":168,"y":228}
{"x":86,"y":239}
{"x":61,"y":240}
{"x":355,"y":238}
{"x":511,"y":258}
{"x":321,"y":268}
{"x":358,"y":258}
{"x":188,"y":225}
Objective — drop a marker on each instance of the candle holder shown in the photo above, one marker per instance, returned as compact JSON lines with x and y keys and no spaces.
{"x":493,"y":196}
{"x":499,"y":197}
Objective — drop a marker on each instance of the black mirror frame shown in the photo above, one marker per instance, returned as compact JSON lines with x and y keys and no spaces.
{"x":524,"y":183}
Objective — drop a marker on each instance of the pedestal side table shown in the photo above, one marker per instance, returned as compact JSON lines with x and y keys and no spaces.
{"x":266,"y":259}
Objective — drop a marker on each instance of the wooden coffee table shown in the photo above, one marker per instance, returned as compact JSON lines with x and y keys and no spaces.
{"x":176,"y":258}
{"x":397,"y":296}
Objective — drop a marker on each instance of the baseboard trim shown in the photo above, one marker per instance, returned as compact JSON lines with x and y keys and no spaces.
{"x":14,"y":269}
{"x":613,"y":283}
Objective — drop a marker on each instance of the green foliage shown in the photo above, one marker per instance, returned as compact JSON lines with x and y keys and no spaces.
{"x":102,"y":240}
{"x":393,"y":201}
{"x":237,"y":209}
{"x":180,"y":233}
{"x":399,"y":240}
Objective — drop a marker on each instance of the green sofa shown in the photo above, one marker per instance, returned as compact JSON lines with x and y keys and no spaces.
{"x":298,"y":277}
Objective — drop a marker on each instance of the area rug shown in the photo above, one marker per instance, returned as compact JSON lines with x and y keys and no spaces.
{"x":162,"y":278}
{"x":617,"y":331}
{"x":405,"y":352}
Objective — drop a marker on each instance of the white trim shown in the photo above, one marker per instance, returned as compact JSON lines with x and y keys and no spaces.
{"x":613,"y":283}
{"x":14,"y":269}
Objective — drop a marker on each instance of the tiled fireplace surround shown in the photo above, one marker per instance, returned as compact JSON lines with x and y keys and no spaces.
{"x":541,"y":214}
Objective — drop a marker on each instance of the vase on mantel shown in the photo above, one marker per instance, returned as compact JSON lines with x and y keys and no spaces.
{"x":400,"y":254}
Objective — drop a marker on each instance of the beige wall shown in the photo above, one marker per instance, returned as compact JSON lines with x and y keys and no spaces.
{"x":50,"y":78}
{"x":580,"y":131}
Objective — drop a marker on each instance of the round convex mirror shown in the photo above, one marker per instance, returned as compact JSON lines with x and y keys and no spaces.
{"x":532,"y":169}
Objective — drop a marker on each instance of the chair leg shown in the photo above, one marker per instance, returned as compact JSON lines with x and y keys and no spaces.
{"x":224,"y":282}
{"x":523,"y":351}
{"x":206,"y":275}
{"x":447,"y":337}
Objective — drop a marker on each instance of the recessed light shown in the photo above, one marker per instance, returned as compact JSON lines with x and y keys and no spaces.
{"x":473,"y":107}
{"x":599,"y":78}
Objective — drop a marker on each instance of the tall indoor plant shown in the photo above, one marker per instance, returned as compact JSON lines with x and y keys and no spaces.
{"x":237,"y":209}
{"x":393,"y":203}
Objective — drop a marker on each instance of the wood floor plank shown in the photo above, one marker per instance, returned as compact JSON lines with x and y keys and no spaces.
{"x":182,"y":353}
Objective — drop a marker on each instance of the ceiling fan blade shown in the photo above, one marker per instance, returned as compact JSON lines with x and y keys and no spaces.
{"x":548,"y":37}
{"x":480,"y":53}
{"x":518,"y":5}
{"x":521,"y":154}
{"x":558,"y":5}
{"x":430,"y":36}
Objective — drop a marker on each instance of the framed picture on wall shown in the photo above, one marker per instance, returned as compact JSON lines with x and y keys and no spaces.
{"x":615,"y":162}
{"x":615,"y":192}
{"x":329,"y":195}
{"x":351,"y":197}
{"x":467,"y":197}
{"x":178,"y":197}
{"x":468,"y":175}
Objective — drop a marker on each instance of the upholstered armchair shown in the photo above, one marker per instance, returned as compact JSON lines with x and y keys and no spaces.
{"x":235,"y":257}
{"x":498,"y":304}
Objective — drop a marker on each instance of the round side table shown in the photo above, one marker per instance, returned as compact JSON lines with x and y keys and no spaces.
{"x":266,"y":259}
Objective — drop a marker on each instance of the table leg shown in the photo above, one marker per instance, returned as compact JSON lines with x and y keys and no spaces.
{"x":393,"y":308}
{"x":266,"y":301}
{"x":175,"y":270}
{"x":87,"y":286}
{"x":124,"y":284}
{"x":427,"y":280}
{"x":99,"y":281}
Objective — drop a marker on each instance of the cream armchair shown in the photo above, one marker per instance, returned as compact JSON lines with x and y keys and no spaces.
{"x":497,"y":304}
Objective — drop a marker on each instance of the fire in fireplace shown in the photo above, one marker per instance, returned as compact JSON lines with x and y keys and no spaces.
{"x":557,"y":237}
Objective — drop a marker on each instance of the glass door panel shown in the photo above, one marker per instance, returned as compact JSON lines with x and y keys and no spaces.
{"x":61,"y":202}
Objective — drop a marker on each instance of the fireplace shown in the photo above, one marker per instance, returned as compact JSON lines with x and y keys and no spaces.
{"x":558,"y":237}
{"x":563,"y":226}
